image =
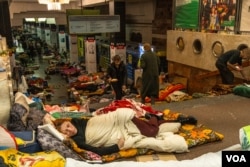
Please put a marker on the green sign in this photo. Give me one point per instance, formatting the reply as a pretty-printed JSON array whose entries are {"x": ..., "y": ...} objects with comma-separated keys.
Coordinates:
[{"x": 187, "y": 14}]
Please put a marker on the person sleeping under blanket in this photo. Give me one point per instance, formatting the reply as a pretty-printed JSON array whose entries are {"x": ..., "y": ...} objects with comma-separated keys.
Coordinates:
[{"x": 120, "y": 130}]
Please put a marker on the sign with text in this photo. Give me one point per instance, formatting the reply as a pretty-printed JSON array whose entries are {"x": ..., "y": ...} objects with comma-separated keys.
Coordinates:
[
  {"x": 235, "y": 158},
  {"x": 90, "y": 55},
  {"x": 79, "y": 24},
  {"x": 118, "y": 49}
]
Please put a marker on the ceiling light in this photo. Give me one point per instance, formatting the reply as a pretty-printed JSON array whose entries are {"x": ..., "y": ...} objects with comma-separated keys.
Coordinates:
[
  {"x": 54, "y": 6},
  {"x": 53, "y": 1},
  {"x": 41, "y": 19}
]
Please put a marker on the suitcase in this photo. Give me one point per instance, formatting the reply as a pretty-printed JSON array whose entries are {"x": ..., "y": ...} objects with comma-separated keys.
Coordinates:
[{"x": 31, "y": 144}]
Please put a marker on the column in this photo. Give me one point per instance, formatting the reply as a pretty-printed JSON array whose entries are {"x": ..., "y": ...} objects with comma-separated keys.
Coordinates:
[{"x": 5, "y": 29}]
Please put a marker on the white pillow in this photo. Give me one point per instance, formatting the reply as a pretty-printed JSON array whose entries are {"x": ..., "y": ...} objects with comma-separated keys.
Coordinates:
[
  {"x": 169, "y": 127},
  {"x": 7, "y": 139}
]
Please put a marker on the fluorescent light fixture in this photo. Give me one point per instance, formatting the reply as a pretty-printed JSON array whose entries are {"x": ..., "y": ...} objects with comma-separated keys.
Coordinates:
[
  {"x": 53, "y": 1},
  {"x": 51, "y": 21},
  {"x": 41, "y": 19},
  {"x": 54, "y": 6},
  {"x": 30, "y": 19},
  {"x": 42, "y": 1}
]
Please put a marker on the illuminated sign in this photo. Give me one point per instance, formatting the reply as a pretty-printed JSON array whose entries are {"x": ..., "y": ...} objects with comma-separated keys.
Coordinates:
[{"x": 79, "y": 24}]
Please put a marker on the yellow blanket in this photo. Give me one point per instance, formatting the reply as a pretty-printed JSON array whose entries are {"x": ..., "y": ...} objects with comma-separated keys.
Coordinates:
[{"x": 15, "y": 158}]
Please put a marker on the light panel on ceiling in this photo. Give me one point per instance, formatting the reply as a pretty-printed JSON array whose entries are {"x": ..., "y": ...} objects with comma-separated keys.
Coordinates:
[
  {"x": 54, "y": 6},
  {"x": 53, "y": 1},
  {"x": 41, "y": 19},
  {"x": 50, "y": 21},
  {"x": 30, "y": 19}
]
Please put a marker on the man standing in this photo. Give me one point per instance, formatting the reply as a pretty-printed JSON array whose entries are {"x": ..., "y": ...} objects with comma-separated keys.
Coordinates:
[
  {"x": 232, "y": 59},
  {"x": 150, "y": 64}
]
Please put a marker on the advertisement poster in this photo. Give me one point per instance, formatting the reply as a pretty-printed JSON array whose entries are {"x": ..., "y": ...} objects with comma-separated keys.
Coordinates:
[
  {"x": 43, "y": 34},
  {"x": 244, "y": 16},
  {"x": 39, "y": 32},
  {"x": 90, "y": 55},
  {"x": 80, "y": 46},
  {"x": 33, "y": 29},
  {"x": 47, "y": 36},
  {"x": 218, "y": 15},
  {"x": 53, "y": 38},
  {"x": 186, "y": 14},
  {"x": 73, "y": 54},
  {"x": 118, "y": 49},
  {"x": 62, "y": 42}
]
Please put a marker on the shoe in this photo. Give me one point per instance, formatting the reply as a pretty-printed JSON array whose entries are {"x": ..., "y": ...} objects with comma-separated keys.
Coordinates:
[
  {"x": 187, "y": 120},
  {"x": 158, "y": 117}
]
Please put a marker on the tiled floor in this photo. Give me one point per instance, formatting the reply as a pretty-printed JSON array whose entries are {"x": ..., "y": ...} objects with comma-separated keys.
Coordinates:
[
  {"x": 56, "y": 82},
  {"x": 225, "y": 114}
]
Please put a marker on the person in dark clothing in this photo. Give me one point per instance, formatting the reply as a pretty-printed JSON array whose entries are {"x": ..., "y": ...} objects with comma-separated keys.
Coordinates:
[
  {"x": 117, "y": 76},
  {"x": 232, "y": 60},
  {"x": 150, "y": 64},
  {"x": 31, "y": 52}
]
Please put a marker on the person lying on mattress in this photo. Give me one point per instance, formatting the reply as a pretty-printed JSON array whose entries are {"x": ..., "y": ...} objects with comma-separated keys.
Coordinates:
[{"x": 79, "y": 130}]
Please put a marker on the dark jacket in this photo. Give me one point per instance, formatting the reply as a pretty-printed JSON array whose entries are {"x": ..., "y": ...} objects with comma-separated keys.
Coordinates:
[
  {"x": 150, "y": 64},
  {"x": 80, "y": 139},
  {"x": 119, "y": 73},
  {"x": 231, "y": 56}
]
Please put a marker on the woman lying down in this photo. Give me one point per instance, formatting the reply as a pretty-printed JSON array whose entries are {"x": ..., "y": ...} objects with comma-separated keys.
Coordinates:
[{"x": 120, "y": 130}]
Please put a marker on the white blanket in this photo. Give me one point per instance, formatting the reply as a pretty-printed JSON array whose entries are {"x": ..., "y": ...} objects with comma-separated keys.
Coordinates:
[
  {"x": 206, "y": 160},
  {"x": 106, "y": 129}
]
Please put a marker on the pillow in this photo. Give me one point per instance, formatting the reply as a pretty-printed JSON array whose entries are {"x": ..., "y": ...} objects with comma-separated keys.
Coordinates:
[
  {"x": 7, "y": 139},
  {"x": 23, "y": 100},
  {"x": 169, "y": 127},
  {"x": 34, "y": 118},
  {"x": 242, "y": 90},
  {"x": 49, "y": 142},
  {"x": 17, "y": 119},
  {"x": 21, "y": 120},
  {"x": 244, "y": 134}
]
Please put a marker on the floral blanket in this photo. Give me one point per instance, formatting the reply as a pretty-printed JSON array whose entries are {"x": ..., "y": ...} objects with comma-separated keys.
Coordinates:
[{"x": 12, "y": 157}]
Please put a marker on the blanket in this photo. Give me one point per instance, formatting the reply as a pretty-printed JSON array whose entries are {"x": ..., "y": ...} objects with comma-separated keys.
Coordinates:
[
  {"x": 211, "y": 159},
  {"x": 12, "y": 157},
  {"x": 171, "y": 138},
  {"x": 118, "y": 124},
  {"x": 193, "y": 135}
]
